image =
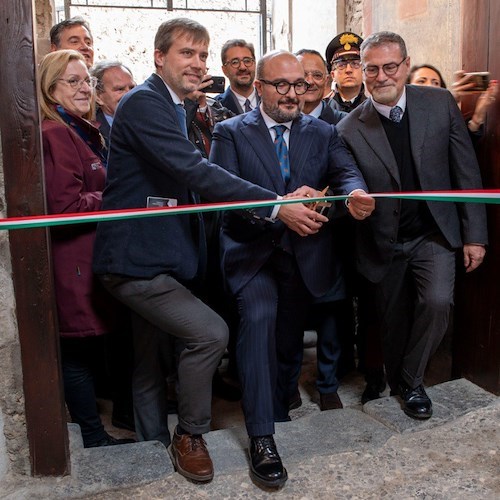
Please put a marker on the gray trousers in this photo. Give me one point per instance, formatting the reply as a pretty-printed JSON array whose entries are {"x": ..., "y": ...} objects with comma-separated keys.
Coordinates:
[
  {"x": 414, "y": 301},
  {"x": 163, "y": 307}
]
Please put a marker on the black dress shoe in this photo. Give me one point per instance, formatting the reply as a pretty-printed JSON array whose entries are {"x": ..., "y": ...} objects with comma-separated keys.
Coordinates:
[
  {"x": 266, "y": 468},
  {"x": 109, "y": 441},
  {"x": 416, "y": 403}
]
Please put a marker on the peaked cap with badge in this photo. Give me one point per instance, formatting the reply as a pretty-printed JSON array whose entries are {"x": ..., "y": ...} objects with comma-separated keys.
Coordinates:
[{"x": 344, "y": 46}]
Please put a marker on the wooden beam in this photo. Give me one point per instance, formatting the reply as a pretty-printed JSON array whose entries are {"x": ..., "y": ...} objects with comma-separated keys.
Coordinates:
[{"x": 32, "y": 274}]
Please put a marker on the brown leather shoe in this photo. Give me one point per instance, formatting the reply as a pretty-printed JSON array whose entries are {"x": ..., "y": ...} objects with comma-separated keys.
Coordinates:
[
  {"x": 190, "y": 457},
  {"x": 330, "y": 401}
]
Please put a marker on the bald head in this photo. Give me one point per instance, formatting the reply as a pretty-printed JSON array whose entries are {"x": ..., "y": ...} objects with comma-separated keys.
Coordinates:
[{"x": 281, "y": 85}]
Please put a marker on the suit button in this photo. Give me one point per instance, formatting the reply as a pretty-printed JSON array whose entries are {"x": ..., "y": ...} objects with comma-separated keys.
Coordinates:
[
  {"x": 392, "y": 240},
  {"x": 396, "y": 212}
]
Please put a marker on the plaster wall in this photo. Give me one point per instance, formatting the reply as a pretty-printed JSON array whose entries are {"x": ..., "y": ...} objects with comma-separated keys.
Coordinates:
[{"x": 430, "y": 28}]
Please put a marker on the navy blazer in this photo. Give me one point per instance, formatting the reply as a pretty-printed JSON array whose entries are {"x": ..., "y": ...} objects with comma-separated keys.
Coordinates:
[
  {"x": 318, "y": 158},
  {"x": 150, "y": 157},
  {"x": 444, "y": 159}
]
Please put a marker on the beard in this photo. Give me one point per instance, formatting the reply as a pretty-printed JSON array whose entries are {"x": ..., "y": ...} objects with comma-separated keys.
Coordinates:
[{"x": 281, "y": 115}]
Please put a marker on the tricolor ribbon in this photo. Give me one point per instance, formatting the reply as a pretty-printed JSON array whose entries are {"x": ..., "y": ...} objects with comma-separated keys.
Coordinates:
[{"x": 488, "y": 196}]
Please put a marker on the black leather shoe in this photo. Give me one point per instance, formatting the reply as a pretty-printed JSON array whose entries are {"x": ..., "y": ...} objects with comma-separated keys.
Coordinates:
[
  {"x": 109, "y": 441},
  {"x": 266, "y": 468},
  {"x": 416, "y": 403}
]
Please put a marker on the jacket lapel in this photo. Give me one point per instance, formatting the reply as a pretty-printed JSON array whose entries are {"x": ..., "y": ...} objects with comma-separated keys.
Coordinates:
[
  {"x": 301, "y": 138},
  {"x": 257, "y": 134},
  {"x": 418, "y": 121},
  {"x": 376, "y": 139}
]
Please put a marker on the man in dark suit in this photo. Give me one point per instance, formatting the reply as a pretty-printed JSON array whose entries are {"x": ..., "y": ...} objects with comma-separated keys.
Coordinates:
[
  {"x": 272, "y": 274},
  {"x": 114, "y": 80},
  {"x": 238, "y": 65},
  {"x": 408, "y": 138},
  {"x": 151, "y": 264}
]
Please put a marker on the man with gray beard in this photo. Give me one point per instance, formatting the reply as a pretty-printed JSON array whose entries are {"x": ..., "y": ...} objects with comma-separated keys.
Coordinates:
[{"x": 273, "y": 274}]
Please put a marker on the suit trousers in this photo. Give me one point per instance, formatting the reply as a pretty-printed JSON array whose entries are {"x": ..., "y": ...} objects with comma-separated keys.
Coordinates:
[
  {"x": 272, "y": 307},
  {"x": 163, "y": 307},
  {"x": 414, "y": 300}
]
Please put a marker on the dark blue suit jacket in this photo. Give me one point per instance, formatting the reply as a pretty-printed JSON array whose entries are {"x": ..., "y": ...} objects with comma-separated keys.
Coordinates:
[
  {"x": 151, "y": 157},
  {"x": 318, "y": 158}
]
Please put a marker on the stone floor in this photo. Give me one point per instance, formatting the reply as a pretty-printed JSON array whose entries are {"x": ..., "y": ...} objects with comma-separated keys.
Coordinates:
[{"x": 359, "y": 452}]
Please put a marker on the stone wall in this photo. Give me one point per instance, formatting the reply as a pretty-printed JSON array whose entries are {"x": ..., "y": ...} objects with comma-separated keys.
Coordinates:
[
  {"x": 431, "y": 29},
  {"x": 14, "y": 451}
]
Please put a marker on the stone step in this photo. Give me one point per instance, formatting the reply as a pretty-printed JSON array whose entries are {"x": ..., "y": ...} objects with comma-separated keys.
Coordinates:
[{"x": 314, "y": 435}]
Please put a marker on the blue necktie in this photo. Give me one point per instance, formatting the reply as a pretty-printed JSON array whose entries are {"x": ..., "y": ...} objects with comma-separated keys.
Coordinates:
[
  {"x": 396, "y": 114},
  {"x": 282, "y": 152},
  {"x": 181, "y": 117},
  {"x": 248, "y": 106}
]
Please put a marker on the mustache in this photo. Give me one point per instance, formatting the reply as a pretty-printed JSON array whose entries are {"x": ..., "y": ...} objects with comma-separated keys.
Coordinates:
[{"x": 288, "y": 100}]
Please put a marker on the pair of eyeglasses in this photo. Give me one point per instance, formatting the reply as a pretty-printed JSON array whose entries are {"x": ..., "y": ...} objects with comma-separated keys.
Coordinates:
[
  {"x": 315, "y": 75},
  {"x": 77, "y": 84},
  {"x": 342, "y": 65},
  {"x": 389, "y": 69},
  {"x": 283, "y": 87},
  {"x": 235, "y": 63}
]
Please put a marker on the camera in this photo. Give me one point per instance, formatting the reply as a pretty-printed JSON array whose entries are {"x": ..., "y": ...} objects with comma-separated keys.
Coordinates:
[{"x": 217, "y": 87}]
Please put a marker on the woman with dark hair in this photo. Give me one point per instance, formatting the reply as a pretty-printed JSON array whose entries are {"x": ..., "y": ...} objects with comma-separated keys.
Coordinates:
[
  {"x": 74, "y": 160},
  {"x": 426, "y": 74}
]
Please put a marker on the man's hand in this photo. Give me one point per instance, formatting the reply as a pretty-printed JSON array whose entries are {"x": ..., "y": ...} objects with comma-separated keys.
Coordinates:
[
  {"x": 360, "y": 204},
  {"x": 473, "y": 256},
  {"x": 303, "y": 192},
  {"x": 301, "y": 219}
]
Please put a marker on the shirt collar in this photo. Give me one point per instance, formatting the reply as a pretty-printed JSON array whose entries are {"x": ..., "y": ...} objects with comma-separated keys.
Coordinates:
[
  {"x": 241, "y": 99},
  {"x": 316, "y": 112},
  {"x": 385, "y": 110}
]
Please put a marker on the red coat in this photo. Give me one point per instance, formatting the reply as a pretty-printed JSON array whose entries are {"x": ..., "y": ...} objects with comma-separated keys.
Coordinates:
[{"x": 74, "y": 179}]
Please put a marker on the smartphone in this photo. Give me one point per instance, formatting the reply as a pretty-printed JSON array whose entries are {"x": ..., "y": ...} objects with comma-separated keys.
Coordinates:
[
  {"x": 481, "y": 79},
  {"x": 217, "y": 87}
]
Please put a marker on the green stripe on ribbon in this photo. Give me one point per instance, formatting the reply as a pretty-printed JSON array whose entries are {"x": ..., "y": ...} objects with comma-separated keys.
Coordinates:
[{"x": 34, "y": 221}]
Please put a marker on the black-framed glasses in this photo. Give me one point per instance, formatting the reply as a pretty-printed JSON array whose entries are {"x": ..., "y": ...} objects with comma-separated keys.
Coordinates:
[
  {"x": 283, "y": 87},
  {"x": 77, "y": 84},
  {"x": 342, "y": 65},
  {"x": 235, "y": 63},
  {"x": 389, "y": 69}
]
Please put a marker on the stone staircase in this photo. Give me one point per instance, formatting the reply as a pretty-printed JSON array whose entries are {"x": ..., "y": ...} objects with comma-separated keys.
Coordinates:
[{"x": 365, "y": 449}]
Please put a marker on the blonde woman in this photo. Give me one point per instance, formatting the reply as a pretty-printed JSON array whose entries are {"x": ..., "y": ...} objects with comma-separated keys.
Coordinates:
[{"x": 74, "y": 162}]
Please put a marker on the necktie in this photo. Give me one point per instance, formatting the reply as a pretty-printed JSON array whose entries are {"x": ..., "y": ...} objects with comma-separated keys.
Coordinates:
[
  {"x": 248, "y": 106},
  {"x": 282, "y": 152},
  {"x": 396, "y": 114},
  {"x": 181, "y": 117}
]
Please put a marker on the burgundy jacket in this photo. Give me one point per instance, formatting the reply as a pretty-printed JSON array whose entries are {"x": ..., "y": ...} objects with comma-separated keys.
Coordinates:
[{"x": 74, "y": 179}]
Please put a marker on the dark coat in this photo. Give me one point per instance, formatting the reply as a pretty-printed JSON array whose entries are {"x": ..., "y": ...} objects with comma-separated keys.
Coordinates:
[
  {"x": 74, "y": 179},
  {"x": 444, "y": 159},
  {"x": 150, "y": 157},
  {"x": 318, "y": 158}
]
